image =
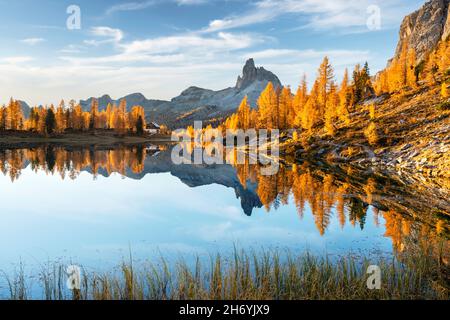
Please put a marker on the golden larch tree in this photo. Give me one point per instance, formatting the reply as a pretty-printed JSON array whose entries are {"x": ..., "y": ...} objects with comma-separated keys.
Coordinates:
[
  {"x": 267, "y": 106},
  {"x": 298, "y": 103},
  {"x": 285, "y": 107},
  {"x": 243, "y": 114}
]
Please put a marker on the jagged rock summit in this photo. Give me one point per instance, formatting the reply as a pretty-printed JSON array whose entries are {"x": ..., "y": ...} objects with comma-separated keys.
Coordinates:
[
  {"x": 251, "y": 74},
  {"x": 423, "y": 29}
]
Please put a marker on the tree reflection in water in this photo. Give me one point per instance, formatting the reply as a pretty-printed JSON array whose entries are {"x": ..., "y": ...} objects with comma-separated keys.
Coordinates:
[{"x": 411, "y": 219}]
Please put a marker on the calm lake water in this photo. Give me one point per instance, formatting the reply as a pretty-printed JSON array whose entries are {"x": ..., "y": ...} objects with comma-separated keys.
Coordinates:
[{"x": 93, "y": 206}]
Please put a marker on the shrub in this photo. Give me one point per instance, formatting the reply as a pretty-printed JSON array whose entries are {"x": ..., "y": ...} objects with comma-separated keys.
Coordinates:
[
  {"x": 371, "y": 134},
  {"x": 372, "y": 112}
]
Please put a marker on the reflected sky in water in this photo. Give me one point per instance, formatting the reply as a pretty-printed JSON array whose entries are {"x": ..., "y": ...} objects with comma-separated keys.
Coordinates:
[{"x": 96, "y": 222}]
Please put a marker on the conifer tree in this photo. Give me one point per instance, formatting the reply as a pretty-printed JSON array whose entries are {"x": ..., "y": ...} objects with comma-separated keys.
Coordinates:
[
  {"x": 344, "y": 97},
  {"x": 15, "y": 118},
  {"x": 50, "y": 121},
  {"x": 3, "y": 118},
  {"x": 244, "y": 114},
  {"x": 109, "y": 109},
  {"x": 325, "y": 81},
  {"x": 93, "y": 124},
  {"x": 298, "y": 104},
  {"x": 331, "y": 111},
  {"x": 140, "y": 125},
  {"x": 311, "y": 113},
  {"x": 267, "y": 106},
  {"x": 61, "y": 121},
  {"x": 285, "y": 107}
]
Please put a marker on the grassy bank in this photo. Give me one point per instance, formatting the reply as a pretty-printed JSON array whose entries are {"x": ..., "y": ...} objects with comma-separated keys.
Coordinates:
[
  {"x": 262, "y": 276},
  {"x": 97, "y": 137}
]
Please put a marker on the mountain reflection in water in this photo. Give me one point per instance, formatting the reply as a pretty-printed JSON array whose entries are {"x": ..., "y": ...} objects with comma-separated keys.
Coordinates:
[{"x": 412, "y": 217}]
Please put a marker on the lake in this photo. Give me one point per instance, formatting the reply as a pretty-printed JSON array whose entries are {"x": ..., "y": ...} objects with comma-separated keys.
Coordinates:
[{"x": 95, "y": 206}]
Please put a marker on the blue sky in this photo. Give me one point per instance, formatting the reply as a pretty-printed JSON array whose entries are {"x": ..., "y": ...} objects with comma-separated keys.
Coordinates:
[{"x": 160, "y": 47}]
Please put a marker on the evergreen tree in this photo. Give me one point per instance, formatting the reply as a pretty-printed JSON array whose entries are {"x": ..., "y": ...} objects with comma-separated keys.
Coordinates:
[
  {"x": 3, "y": 118},
  {"x": 140, "y": 126},
  {"x": 50, "y": 121},
  {"x": 93, "y": 124}
]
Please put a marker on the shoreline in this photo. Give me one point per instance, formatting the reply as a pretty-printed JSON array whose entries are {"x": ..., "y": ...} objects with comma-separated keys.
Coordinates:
[
  {"x": 243, "y": 275},
  {"x": 25, "y": 139}
]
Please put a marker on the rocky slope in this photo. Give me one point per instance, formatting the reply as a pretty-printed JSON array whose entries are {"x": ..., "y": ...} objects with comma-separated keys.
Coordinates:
[
  {"x": 412, "y": 124},
  {"x": 423, "y": 29}
]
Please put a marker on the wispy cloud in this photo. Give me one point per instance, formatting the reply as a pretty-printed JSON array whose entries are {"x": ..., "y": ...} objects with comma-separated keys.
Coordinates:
[
  {"x": 315, "y": 14},
  {"x": 190, "y": 2},
  {"x": 211, "y": 57},
  {"x": 72, "y": 49},
  {"x": 112, "y": 35},
  {"x": 32, "y": 41},
  {"x": 130, "y": 6},
  {"x": 185, "y": 47},
  {"x": 16, "y": 60},
  {"x": 133, "y": 6},
  {"x": 223, "y": 41},
  {"x": 300, "y": 55}
]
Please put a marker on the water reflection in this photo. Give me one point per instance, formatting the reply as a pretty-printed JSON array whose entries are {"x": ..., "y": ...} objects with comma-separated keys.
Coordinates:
[
  {"x": 412, "y": 218},
  {"x": 69, "y": 162}
]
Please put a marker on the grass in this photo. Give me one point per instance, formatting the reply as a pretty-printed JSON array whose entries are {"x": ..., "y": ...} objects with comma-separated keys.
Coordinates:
[{"x": 246, "y": 276}]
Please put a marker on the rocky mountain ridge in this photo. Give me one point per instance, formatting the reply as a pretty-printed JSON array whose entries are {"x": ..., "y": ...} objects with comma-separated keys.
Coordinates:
[
  {"x": 199, "y": 103},
  {"x": 424, "y": 28}
]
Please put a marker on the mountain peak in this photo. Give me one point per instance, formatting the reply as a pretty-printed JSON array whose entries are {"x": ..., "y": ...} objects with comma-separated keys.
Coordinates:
[
  {"x": 250, "y": 64},
  {"x": 251, "y": 74}
]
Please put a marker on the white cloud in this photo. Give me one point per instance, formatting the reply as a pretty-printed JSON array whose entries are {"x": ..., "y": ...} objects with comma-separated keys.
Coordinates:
[
  {"x": 161, "y": 67},
  {"x": 130, "y": 6},
  {"x": 112, "y": 35},
  {"x": 16, "y": 60},
  {"x": 193, "y": 42},
  {"x": 33, "y": 41},
  {"x": 184, "y": 48},
  {"x": 48, "y": 84},
  {"x": 159, "y": 76},
  {"x": 72, "y": 49},
  {"x": 116, "y": 34},
  {"x": 133, "y": 6},
  {"x": 317, "y": 14}
]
